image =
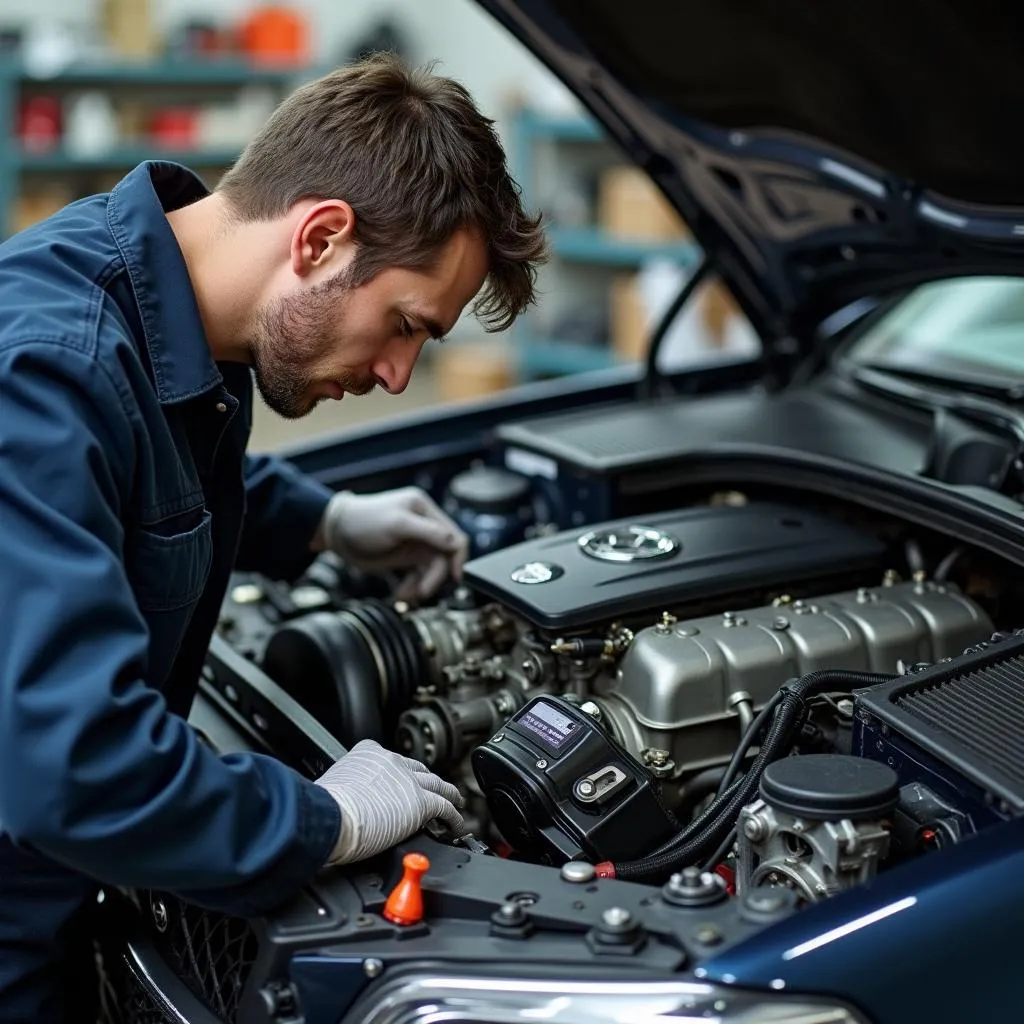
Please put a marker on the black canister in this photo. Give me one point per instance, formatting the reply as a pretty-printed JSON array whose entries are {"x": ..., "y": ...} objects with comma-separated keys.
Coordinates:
[{"x": 493, "y": 505}]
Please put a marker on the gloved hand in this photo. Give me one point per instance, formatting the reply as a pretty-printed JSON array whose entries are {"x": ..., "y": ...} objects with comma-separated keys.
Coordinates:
[
  {"x": 385, "y": 798},
  {"x": 401, "y": 529}
]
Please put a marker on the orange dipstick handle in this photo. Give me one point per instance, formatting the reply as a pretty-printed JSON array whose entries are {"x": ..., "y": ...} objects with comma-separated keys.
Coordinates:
[{"x": 405, "y": 904}]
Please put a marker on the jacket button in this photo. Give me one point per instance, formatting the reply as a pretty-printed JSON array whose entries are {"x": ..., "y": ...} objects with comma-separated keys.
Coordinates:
[{"x": 221, "y": 407}]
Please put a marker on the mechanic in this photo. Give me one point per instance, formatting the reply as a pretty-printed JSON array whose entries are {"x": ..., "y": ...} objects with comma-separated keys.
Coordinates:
[{"x": 370, "y": 210}]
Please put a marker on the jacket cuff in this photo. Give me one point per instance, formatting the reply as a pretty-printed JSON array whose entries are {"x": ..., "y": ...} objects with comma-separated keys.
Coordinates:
[{"x": 319, "y": 829}]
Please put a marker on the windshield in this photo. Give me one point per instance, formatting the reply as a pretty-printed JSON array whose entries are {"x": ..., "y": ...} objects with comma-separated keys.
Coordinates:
[{"x": 968, "y": 328}]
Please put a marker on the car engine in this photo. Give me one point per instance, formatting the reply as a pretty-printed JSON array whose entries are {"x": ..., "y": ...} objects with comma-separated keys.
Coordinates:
[{"x": 601, "y": 693}]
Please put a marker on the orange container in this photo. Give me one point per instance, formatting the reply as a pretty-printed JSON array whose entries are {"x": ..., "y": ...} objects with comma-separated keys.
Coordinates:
[{"x": 275, "y": 34}]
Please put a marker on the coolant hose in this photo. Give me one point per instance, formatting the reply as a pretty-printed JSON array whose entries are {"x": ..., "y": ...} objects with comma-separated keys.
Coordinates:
[{"x": 701, "y": 837}]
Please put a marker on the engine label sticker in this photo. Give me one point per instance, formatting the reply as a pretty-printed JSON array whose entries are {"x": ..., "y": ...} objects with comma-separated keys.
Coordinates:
[{"x": 549, "y": 724}]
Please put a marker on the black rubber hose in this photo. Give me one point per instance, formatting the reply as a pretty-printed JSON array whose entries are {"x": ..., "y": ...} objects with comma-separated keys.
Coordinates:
[
  {"x": 747, "y": 741},
  {"x": 722, "y": 852},
  {"x": 701, "y": 837}
]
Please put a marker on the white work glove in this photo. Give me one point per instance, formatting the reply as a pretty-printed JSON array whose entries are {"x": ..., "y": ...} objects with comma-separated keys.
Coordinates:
[
  {"x": 401, "y": 529},
  {"x": 385, "y": 798}
]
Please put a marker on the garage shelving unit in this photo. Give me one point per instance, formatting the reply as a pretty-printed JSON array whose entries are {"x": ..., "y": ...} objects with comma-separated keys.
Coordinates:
[
  {"x": 538, "y": 354},
  {"x": 169, "y": 81}
]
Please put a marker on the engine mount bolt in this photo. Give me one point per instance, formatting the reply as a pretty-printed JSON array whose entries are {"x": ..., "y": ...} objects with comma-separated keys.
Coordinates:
[
  {"x": 708, "y": 935},
  {"x": 542, "y": 764},
  {"x": 693, "y": 888},
  {"x": 512, "y": 913},
  {"x": 373, "y": 967},
  {"x": 579, "y": 872},
  {"x": 585, "y": 787},
  {"x": 617, "y": 918},
  {"x": 753, "y": 830},
  {"x": 655, "y": 756}
]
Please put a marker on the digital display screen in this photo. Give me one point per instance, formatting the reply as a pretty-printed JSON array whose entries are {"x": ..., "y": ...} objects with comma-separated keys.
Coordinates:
[{"x": 547, "y": 722}]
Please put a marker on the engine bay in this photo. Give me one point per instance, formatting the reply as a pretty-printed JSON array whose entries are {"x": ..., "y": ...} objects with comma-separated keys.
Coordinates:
[{"x": 690, "y": 698}]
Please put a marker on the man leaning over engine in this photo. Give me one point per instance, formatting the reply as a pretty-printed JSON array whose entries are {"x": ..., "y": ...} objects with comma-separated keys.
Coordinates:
[{"x": 370, "y": 210}]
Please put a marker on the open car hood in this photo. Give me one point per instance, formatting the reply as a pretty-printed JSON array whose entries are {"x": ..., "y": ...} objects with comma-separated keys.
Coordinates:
[{"x": 821, "y": 153}]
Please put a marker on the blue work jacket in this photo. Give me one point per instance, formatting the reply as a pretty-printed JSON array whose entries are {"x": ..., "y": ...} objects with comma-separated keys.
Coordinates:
[{"x": 126, "y": 499}]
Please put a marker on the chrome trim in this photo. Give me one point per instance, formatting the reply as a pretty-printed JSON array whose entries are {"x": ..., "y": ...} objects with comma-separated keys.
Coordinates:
[
  {"x": 433, "y": 999},
  {"x": 146, "y": 980},
  {"x": 533, "y": 573},
  {"x": 628, "y": 544},
  {"x": 172, "y": 998}
]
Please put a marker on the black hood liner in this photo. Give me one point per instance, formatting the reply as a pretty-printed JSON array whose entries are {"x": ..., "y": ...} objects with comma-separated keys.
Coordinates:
[{"x": 930, "y": 90}]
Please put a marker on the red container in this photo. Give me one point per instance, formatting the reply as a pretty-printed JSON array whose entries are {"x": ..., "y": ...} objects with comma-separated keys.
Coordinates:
[
  {"x": 39, "y": 123},
  {"x": 174, "y": 128}
]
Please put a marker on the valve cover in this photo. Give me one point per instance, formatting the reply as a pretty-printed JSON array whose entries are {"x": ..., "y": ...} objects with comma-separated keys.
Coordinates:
[{"x": 581, "y": 577}]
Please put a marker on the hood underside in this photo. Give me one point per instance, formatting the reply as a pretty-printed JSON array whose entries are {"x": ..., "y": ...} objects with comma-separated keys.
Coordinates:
[{"x": 820, "y": 152}]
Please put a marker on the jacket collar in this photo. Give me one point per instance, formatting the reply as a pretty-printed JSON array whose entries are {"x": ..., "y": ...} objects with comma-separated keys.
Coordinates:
[{"x": 183, "y": 366}]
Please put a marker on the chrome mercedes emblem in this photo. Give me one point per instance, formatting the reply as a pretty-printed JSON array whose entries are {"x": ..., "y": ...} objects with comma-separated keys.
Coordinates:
[
  {"x": 628, "y": 544},
  {"x": 536, "y": 572}
]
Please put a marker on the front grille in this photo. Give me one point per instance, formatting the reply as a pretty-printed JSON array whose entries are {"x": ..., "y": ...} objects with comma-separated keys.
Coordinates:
[
  {"x": 212, "y": 953},
  {"x": 983, "y": 711}
]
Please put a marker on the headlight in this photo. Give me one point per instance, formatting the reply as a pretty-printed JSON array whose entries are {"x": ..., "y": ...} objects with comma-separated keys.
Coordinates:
[{"x": 430, "y": 999}]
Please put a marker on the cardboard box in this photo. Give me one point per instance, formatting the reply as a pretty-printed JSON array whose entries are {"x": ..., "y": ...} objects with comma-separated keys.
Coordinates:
[
  {"x": 30, "y": 208},
  {"x": 473, "y": 370},
  {"x": 629, "y": 330},
  {"x": 717, "y": 307},
  {"x": 707, "y": 321},
  {"x": 128, "y": 28},
  {"x": 630, "y": 206}
]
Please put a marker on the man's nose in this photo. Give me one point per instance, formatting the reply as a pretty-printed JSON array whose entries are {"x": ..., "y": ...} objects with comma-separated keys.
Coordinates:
[{"x": 393, "y": 369}]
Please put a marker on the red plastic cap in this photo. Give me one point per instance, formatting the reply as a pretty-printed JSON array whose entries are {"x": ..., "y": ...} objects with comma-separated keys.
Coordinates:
[
  {"x": 405, "y": 904},
  {"x": 606, "y": 869}
]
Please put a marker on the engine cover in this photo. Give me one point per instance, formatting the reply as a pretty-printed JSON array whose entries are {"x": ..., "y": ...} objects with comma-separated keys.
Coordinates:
[{"x": 581, "y": 577}]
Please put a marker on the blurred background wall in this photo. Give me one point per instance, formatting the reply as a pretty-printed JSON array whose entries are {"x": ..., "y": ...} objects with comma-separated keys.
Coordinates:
[{"x": 88, "y": 88}]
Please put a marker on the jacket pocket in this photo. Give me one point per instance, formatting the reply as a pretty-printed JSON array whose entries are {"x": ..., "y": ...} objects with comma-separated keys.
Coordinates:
[{"x": 168, "y": 571}]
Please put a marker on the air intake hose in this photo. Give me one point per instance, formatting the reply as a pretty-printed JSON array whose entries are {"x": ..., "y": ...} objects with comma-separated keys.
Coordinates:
[{"x": 354, "y": 670}]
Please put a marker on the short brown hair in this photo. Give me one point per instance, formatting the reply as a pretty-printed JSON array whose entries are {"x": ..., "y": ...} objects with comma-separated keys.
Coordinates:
[{"x": 414, "y": 158}]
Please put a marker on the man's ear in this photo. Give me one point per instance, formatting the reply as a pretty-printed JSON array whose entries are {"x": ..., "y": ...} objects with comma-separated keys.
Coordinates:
[{"x": 324, "y": 234}]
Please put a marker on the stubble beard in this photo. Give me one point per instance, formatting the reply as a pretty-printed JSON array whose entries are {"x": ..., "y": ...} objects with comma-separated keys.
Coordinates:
[{"x": 289, "y": 336}]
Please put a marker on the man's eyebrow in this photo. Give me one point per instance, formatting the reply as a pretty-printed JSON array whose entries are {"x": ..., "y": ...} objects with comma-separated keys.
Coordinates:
[{"x": 435, "y": 330}]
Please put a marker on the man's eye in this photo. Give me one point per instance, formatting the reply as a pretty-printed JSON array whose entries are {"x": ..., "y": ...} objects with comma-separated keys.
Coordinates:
[{"x": 405, "y": 327}]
